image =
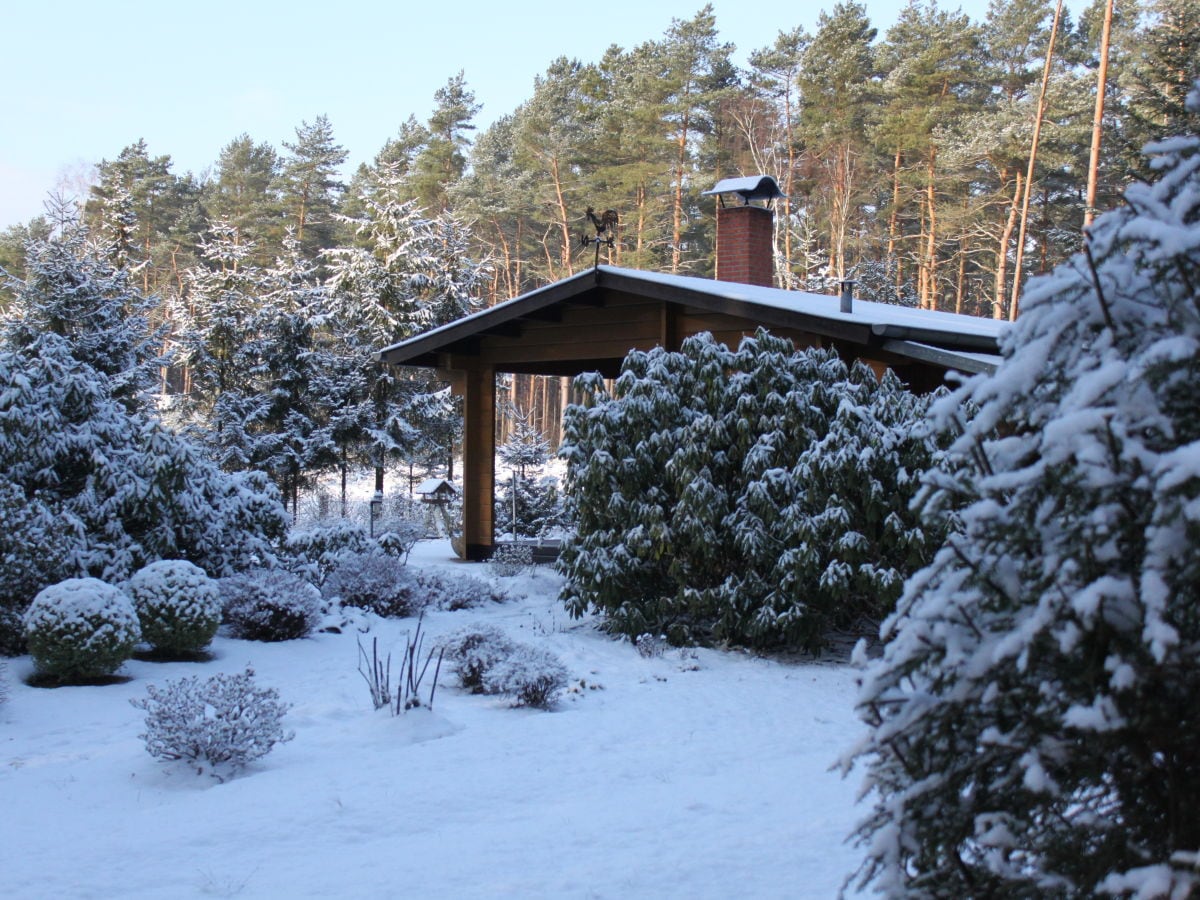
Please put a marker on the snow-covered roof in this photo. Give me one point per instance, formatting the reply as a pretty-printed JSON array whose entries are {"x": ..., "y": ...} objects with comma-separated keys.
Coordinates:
[
  {"x": 433, "y": 485},
  {"x": 869, "y": 323}
]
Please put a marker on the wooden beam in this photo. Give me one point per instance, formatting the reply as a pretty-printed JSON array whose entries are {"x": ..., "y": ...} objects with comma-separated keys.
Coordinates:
[{"x": 479, "y": 462}]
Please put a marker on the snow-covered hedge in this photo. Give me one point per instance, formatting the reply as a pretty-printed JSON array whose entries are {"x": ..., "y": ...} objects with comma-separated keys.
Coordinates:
[
  {"x": 178, "y": 605},
  {"x": 1033, "y": 717},
  {"x": 217, "y": 725},
  {"x": 489, "y": 662},
  {"x": 80, "y": 629},
  {"x": 759, "y": 496},
  {"x": 270, "y": 605}
]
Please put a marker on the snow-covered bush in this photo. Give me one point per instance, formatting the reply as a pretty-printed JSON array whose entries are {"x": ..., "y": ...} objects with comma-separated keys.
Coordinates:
[
  {"x": 318, "y": 547},
  {"x": 270, "y": 605},
  {"x": 217, "y": 725},
  {"x": 1033, "y": 716},
  {"x": 759, "y": 496},
  {"x": 178, "y": 606},
  {"x": 12, "y": 632},
  {"x": 457, "y": 590},
  {"x": 473, "y": 651},
  {"x": 532, "y": 675},
  {"x": 80, "y": 629},
  {"x": 489, "y": 662},
  {"x": 376, "y": 582},
  {"x": 511, "y": 559},
  {"x": 33, "y": 549}
]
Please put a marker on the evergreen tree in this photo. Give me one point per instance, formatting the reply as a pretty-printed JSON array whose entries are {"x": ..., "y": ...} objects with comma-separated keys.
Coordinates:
[
  {"x": 838, "y": 99},
  {"x": 310, "y": 185},
  {"x": 442, "y": 160},
  {"x": 72, "y": 289},
  {"x": 292, "y": 368},
  {"x": 1033, "y": 725},
  {"x": 243, "y": 193}
]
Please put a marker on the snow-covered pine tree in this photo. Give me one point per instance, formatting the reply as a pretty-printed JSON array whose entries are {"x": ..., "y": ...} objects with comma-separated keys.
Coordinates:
[
  {"x": 216, "y": 343},
  {"x": 90, "y": 482},
  {"x": 406, "y": 274},
  {"x": 538, "y": 507},
  {"x": 73, "y": 290},
  {"x": 1033, "y": 718},
  {"x": 292, "y": 369}
]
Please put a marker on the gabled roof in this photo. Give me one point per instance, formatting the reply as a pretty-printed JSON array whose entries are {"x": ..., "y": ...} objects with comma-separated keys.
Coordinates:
[{"x": 968, "y": 343}]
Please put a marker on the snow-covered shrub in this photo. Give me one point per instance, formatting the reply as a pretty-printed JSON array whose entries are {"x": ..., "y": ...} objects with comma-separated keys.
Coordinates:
[
  {"x": 217, "y": 725},
  {"x": 539, "y": 506},
  {"x": 270, "y": 605},
  {"x": 376, "y": 582},
  {"x": 1033, "y": 715},
  {"x": 80, "y": 629},
  {"x": 319, "y": 546},
  {"x": 533, "y": 676},
  {"x": 650, "y": 646},
  {"x": 457, "y": 590},
  {"x": 489, "y": 662},
  {"x": 33, "y": 549},
  {"x": 12, "y": 632},
  {"x": 511, "y": 559},
  {"x": 759, "y": 496},
  {"x": 473, "y": 651},
  {"x": 178, "y": 605}
]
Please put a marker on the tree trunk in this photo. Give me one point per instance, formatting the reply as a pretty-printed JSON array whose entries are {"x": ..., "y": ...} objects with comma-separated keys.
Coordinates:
[
  {"x": 1001, "y": 292},
  {"x": 1089, "y": 211},
  {"x": 931, "y": 284},
  {"x": 1037, "y": 134},
  {"x": 564, "y": 221}
]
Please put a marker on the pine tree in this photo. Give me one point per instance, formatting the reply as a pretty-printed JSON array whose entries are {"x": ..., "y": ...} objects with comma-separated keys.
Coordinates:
[
  {"x": 442, "y": 160},
  {"x": 243, "y": 194},
  {"x": 310, "y": 185},
  {"x": 837, "y": 87},
  {"x": 1033, "y": 724}
]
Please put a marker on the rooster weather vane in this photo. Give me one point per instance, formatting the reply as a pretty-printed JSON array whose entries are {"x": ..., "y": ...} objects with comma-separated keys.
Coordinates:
[{"x": 606, "y": 231}]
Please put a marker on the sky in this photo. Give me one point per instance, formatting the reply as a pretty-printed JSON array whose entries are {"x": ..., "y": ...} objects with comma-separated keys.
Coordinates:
[{"x": 87, "y": 79}]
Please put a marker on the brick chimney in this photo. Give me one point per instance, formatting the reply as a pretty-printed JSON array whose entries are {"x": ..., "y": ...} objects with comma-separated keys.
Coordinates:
[{"x": 745, "y": 253}]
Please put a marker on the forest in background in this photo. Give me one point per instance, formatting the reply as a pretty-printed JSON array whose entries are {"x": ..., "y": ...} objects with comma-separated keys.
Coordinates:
[{"x": 904, "y": 155}]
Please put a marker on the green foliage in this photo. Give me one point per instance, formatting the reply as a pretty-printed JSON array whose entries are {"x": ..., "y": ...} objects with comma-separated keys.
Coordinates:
[
  {"x": 80, "y": 629},
  {"x": 270, "y": 605},
  {"x": 1033, "y": 728},
  {"x": 178, "y": 606},
  {"x": 757, "y": 496}
]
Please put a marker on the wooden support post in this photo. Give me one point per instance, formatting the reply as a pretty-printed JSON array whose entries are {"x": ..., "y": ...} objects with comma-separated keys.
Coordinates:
[{"x": 479, "y": 461}]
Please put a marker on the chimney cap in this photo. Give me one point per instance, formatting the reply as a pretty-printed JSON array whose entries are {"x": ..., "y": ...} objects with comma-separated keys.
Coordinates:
[{"x": 749, "y": 187}]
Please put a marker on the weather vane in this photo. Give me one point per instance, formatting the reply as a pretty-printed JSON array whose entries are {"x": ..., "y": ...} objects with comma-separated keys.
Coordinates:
[{"x": 606, "y": 231}]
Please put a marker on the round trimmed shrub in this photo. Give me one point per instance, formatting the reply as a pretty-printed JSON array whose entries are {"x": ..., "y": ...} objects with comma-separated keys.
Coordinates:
[
  {"x": 270, "y": 605},
  {"x": 81, "y": 629},
  {"x": 178, "y": 605}
]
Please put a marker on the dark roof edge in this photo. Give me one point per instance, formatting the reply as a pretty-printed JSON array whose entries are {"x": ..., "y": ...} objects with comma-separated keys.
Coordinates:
[{"x": 970, "y": 363}]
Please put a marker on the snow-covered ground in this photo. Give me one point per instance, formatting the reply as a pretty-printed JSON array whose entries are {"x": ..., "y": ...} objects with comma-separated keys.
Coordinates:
[{"x": 661, "y": 777}]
